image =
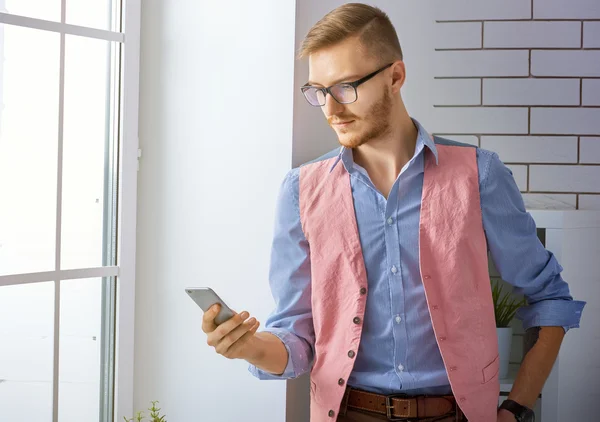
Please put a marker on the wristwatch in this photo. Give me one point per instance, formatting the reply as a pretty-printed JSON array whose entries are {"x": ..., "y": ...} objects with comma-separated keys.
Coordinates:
[{"x": 522, "y": 413}]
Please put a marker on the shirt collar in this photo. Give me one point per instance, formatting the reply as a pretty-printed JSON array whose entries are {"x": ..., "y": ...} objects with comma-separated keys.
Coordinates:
[{"x": 424, "y": 139}]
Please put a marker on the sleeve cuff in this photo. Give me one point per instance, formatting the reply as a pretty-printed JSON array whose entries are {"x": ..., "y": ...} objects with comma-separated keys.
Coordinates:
[
  {"x": 552, "y": 312},
  {"x": 297, "y": 360}
]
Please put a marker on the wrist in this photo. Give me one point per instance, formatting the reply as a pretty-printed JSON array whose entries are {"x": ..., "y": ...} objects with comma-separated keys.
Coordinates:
[
  {"x": 253, "y": 352},
  {"x": 519, "y": 412},
  {"x": 506, "y": 415}
]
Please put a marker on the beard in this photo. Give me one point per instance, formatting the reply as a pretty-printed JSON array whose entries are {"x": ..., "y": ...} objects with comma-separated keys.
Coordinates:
[{"x": 376, "y": 121}]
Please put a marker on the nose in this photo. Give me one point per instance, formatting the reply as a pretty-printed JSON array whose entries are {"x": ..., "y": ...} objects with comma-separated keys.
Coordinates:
[{"x": 332, "y": 107}]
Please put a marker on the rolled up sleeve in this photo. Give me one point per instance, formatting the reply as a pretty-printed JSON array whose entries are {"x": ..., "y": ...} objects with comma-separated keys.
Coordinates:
[
  {"x": 290, "y": 282},
  {"x": 517, "y": 252}
]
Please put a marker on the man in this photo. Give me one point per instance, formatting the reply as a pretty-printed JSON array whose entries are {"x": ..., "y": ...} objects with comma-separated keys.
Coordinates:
[{"x": 379, "y": 262}]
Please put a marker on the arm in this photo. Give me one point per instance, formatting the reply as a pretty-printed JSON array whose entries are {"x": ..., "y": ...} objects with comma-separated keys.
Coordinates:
[
  {"x": 523, "y": 261},
  {"x": 285, "y": 348}
]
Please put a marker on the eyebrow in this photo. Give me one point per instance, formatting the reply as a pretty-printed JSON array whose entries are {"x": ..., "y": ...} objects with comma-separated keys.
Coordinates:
[{"x": 337, "y": 81}]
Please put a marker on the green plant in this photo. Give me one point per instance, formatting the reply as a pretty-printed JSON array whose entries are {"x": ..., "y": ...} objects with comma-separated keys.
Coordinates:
[
  {"x": 154, "y": 415},
  {"x": 505, "y": 307}
]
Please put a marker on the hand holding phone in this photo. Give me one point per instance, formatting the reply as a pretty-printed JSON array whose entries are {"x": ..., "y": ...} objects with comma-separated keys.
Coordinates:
[
  {"x": 205, "y": 297},
  {"x": 228, "y": 332}
]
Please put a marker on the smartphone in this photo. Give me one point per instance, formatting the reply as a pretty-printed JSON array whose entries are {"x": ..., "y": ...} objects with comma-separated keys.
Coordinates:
[{"x": 205, "y": 297}]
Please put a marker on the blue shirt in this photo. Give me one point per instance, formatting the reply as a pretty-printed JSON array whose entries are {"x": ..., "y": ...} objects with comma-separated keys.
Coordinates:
[{"x": 398, "y": 349}]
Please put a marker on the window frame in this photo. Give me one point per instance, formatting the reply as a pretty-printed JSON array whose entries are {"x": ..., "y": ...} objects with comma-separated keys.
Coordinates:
[{"x": 126, "y": 35}]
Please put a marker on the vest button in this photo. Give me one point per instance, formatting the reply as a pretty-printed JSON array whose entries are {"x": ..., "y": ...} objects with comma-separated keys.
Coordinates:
[
  {"x": 462, "y": 399},
  {"x": 341, "y": 381},
  {"x": 351, "y": 354},
  {"x": 363, "y": 291},
  {"x": 435, "y": 307},
  {"x": 442, "y": 338},
  {"x": 356, "y": 320},
  {"x": 453, "y": 368},
  {"x": 427, "y": 277},
  {"x": 331, "y": 413}
]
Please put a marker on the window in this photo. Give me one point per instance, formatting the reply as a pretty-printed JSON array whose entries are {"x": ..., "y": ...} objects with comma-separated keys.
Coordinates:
[{"x": 68, "y": 151}]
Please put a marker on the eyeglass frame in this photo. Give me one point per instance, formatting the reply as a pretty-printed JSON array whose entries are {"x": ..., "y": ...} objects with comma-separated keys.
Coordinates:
[{"x": 354, "y": 85}]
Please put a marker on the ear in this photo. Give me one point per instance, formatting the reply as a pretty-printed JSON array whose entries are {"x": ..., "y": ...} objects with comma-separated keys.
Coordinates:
[{"x": 398, "y": 76}]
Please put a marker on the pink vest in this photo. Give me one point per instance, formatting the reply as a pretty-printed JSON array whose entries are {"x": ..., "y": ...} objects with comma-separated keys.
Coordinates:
[{"x": 454, "y": 271}]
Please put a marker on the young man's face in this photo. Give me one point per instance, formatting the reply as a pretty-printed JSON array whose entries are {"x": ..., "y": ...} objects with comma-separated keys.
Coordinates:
[{"x": 368, "y": 117}]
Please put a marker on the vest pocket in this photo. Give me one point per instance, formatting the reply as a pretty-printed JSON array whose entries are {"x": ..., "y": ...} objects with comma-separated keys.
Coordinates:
[{"x": 491, "y": 370}]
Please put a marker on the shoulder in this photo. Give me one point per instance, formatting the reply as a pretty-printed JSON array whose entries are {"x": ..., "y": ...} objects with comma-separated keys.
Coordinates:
[
  {"x": 334, "y": 153},
  {"x": 486, "y": 159}
]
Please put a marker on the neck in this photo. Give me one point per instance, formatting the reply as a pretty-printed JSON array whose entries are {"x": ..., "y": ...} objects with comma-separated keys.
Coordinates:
[{"x": 386, "y": 156}]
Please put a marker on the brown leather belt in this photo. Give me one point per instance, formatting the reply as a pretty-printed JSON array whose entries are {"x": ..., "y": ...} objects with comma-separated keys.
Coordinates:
[{"x": 402, "y": 407}]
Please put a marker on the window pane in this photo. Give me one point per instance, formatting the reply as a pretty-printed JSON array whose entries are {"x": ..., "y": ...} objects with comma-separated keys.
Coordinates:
[
  {"x": 40, "y": 9},
  {"x": 92, "y": 13},
  {"x": 86, "y": 158},
  {"x": 80, "y": 350},
  {"x": 26, "y": 351},
  {"x": 29, "y": 85}
]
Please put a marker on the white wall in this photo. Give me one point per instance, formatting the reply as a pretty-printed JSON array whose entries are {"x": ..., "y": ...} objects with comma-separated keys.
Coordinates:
[{"x": 215, "y": 129}]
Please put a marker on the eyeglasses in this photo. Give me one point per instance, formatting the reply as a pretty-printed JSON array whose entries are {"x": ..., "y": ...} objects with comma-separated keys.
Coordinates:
[{"x": 343, "y": 93}]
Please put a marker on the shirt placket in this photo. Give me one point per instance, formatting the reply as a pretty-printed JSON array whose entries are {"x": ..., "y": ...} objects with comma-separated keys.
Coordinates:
[{"x": 396, "y": 288}]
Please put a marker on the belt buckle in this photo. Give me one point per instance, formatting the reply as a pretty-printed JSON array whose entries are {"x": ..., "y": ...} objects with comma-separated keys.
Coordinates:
[{"x": 389, "y": 407}]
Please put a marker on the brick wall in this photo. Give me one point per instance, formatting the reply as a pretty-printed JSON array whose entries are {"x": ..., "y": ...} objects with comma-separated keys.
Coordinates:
[{"x": 522, "y": 78}]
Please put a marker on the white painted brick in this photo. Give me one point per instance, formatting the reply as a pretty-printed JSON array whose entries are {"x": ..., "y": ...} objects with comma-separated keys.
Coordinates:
[
  {"x": 565, "y": 62},
  {"x": 457, "y": 91},
  {"x": 532, "y": 34},
  {"x": 458, "y": 35},
  {"x": 565, "y": 121},
  {"x": 488, "y": 120},
  {"x": 531, "y": 91},
  {"x": 520, "y": 175},
  {"x": 591, "y": 92},
  {"x": 467, "y": 139},
  {"x": 548, "y": 178},
  {"x": 533, "y": 149},
  {"x": 590, "y": 151},
  {"x": 544, "y": 201},
  {"x": 566, "y": 9},
  {"x": 589, "y": 202},
  {"x": 481, "y": 9},
  {"x": 591, "y": 34},
  {"x": 482, "y": 63}
]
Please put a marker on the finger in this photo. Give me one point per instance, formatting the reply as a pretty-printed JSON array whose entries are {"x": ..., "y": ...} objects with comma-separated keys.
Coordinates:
[
  {"x": 235, "y": 335},
  {"x": 235, "y": 349},
  {"x": 224, "y": 331},
  {"x": 208, "y": 319},
  {"x": 225, "y": 328},
  {"x": 231, "y": 324}
]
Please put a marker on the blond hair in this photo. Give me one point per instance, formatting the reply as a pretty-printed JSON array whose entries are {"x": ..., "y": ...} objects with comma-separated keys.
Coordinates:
[{"x": 369, "y": 24}]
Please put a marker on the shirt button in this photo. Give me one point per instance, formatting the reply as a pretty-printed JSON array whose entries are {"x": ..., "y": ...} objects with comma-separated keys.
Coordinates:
[
  {"x": 356, "y": 320},
  {"x": 390, "y": 221},
  {"x": 400, "y": 368},
  {"x": 398, "y": 319},
  {"x": 394, "y": 269},
  {"x": 331, "y": 413},
  {"x": 351, "y": 354},
  {"x": 363, "y": 291},
  {"x": 341, "y": 381}
]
